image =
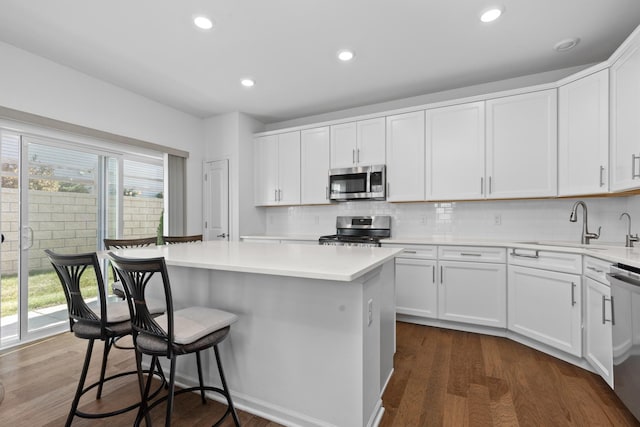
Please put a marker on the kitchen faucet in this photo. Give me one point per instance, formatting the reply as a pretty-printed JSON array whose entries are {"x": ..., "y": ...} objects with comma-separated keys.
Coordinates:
[
  {"x": 629, "y": 238},
  {"x": 586, "y": 236}
]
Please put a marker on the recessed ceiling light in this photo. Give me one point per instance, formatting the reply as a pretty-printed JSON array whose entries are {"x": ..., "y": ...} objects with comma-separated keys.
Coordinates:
[
  {"x": 346, "y": 55},
  {"x": 492, "y": 14},
  {"x": 566, "y": 44},
  {"x": 247, "y": 82},
  {"x": 203, "y": 22}
]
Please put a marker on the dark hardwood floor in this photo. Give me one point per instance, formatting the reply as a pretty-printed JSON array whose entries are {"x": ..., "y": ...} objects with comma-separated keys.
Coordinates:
[{"x": 442, "y": 377}]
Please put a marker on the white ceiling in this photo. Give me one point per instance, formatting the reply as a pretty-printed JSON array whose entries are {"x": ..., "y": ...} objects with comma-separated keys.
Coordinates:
[{"x": 403, "y": 47}]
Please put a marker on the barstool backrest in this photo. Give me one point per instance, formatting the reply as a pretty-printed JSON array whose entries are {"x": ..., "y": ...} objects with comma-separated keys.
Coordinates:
[
  {"x": 129, "y": 243},
  {"x": 70, "y": 269},
  {"x": 135, "y": 274},
  {"x": 182, "y": 239}
]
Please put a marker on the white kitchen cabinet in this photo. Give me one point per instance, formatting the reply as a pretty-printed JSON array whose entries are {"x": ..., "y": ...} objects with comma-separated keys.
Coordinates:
[
  {"x": 416, "y": 288},
  {"x": 358, "y": 143},
  {"x": 473, "y": 292},
  {"x": 521, "y": 145},
  {"x": 546, "y": 306},
  {"x": 405, "y": 157},
  {"x": 455, "y": 152},
  {"x": 277, "y": 166},
  {"x": 625, "y": 123},
  {"x": 583, "y": 135},
  {"x": 314, "y": 169},
  {"x": 598, "y": 331}
]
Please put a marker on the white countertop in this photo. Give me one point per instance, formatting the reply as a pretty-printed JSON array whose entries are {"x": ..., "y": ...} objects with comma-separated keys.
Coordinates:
[
  {"x": 612, "y": 252},
  {"x": 341, "y": 263},
  {"x": 302, "y": 237}
]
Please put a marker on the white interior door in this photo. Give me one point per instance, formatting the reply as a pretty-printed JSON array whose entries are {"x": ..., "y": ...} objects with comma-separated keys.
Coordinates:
[{"x": 216, "y": 200}]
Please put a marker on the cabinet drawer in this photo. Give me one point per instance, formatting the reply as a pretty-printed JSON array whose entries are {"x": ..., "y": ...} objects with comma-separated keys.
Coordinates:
[
  {"x": 596, "y": 269},
  {"x": 415, "y": 251},
  {"x": 555, "y": 261},
  {"x": 472, "y": 253}
]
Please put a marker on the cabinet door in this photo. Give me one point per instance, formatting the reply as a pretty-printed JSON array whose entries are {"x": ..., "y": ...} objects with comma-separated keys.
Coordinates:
[
  {"x": 583, "y": 130},
  {"x": 343, "y": 145},
  {"x": 370, "y": 149},
  {"x": 599, "y": 345},
  {"x": 522, "y": 145},
  {"x": 405, "y": 157},
  {"x": 314, "y": 166},
  {"x": 455, "y": 152},
  {"x": 416, "y": 289},
  {"x": 625, "y": 125},
  {"x": 473, "y": 293},
  {"x": 289, "y": 168},
  {"x": 266, "y": 170},
  {"x": 546, "y": 306}
]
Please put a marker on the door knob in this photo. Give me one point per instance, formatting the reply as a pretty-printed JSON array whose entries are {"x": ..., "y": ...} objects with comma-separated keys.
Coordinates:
[
  {"x": 1, "y": 238},
  {"x": 223, "y": 235}
]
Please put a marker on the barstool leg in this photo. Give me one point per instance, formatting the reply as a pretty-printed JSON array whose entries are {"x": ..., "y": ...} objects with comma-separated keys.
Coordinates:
[
  {"x": 107, "y": 346},
  {"x": 172, "y": 379},
  {"x": 232, "y": 408},
  {"x": 200, "y": 378},
  {"x": 83, "y": 377},
  {"x": 144, "y": 391}
]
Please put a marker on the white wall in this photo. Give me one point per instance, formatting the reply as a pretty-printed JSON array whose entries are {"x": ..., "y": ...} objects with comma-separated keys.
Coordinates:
[
  {"x": 36, "y": 85},
  {"x": 230, "y": 136},
  {"x": 521, "y": 220}
]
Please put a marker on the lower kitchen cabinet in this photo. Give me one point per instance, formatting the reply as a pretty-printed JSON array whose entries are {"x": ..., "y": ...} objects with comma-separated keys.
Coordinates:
[
  {"x": 546, "y": 306},
  {"x": 473, "y": 292},
  {"x": 416, "y": 289},
  {"x": 598, "y": 336}
]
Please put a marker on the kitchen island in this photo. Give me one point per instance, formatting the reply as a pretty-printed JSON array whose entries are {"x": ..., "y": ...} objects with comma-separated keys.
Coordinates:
[{"x": 315, "y": 338}]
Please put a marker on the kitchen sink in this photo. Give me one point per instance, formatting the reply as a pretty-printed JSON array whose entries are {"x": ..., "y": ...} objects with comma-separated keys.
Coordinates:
[{"x": 570, "y": 245}]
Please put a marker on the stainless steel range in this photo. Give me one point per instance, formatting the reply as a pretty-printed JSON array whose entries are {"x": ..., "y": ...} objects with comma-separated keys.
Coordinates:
[{"x": 363, "y": 231}]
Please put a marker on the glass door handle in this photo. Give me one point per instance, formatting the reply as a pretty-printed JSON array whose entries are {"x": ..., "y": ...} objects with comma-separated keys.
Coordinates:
[{"x": 1, "y": 238}]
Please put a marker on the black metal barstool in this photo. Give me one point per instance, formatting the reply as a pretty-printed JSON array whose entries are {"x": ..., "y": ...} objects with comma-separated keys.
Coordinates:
[
  {"x": 107, "y": 323},
  {"x": 170, "y": 240},
  {"x": 185, "y": 331},
  {"x": 142, "y": 242}
]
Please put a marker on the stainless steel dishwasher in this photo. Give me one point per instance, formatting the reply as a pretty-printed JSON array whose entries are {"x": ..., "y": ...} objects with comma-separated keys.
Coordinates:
[{"x": 625, "y": 320}]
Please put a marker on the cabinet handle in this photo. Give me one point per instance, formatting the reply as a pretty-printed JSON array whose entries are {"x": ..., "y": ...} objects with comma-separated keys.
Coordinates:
[
  {"x": 275, "y": 195},
  {"x": 601, "y": 176},
  {"x": 514, "y": 253},
  {"x": 409, "y": 252},
  {"x": 279, "y": 195},
  {"x": 433, "y": 272},
  {"x": 441, "y": 275},
  {"x": 613, "y": 315},
  {"x": 604, "y": 299},
  {"x": 358, "y": 155},
  {"x": 481, "y": 186},
  {"x": 469, "y": 254},
  {"x": 327, "y": 192},
  {"x": 489, "y": 185},
  {"x": 634, "y": 175},
  {"x": 573, "y": 294},
  {"x": 353, "y": 155},
  {"x": 593, "y": 269},
  {"x": 388, "y": 192}
]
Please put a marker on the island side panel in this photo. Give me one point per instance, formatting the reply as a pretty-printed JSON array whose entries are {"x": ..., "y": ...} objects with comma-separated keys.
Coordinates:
[
  {"x": 301, "y": 349},
  {"x": 387, "y": 322}
]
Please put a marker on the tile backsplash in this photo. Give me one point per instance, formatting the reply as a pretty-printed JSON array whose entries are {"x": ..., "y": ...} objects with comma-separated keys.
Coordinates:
[{"x": 546, "y": 219}]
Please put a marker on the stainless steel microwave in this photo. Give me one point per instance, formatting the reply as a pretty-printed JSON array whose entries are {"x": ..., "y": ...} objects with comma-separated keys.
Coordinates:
[{"x": 359, "y": 183}]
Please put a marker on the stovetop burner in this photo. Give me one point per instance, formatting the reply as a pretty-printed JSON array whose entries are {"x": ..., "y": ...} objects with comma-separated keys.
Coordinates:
[{"x": 364, "y": 231}]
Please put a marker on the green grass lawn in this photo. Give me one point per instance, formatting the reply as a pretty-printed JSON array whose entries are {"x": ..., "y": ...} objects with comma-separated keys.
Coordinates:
[{"x": 45, "y": 290}]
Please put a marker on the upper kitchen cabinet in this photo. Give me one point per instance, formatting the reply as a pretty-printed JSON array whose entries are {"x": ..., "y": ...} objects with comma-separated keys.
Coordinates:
[
  {"x": 314, "y": 172},
  {"x": 522, "y": 145},
  {"x": 455, "y": 152},
  {"x": 625, "y": 121},
  {"x": 583, "y": 135},
  {"x": 405, "y": 157},
  {"x": 277, "y": 169},
  {"x": 358, "y": 143}
]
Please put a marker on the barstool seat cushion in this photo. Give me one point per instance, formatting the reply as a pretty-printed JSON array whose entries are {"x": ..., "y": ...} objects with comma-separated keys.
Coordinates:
[
  {"x": 91, "y": 330},
  {"x": 193, "y": 323},
  {"x": 118, "y": 311}
]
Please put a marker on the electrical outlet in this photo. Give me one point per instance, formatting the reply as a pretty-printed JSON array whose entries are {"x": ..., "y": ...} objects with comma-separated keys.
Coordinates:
[
  {"x": 370, "y": 314},
  {"x": 497, "y": 219}
]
